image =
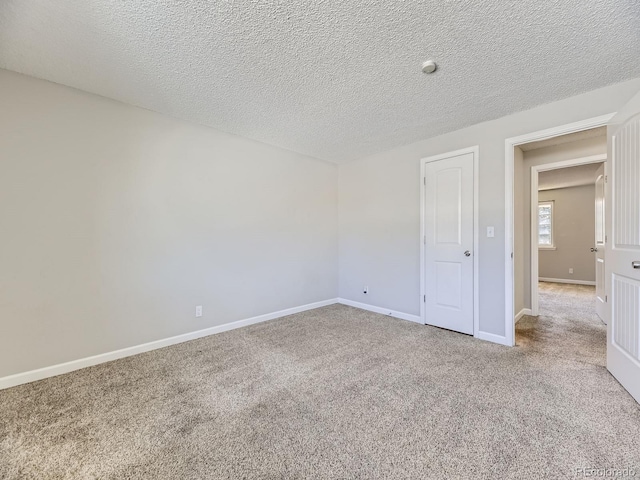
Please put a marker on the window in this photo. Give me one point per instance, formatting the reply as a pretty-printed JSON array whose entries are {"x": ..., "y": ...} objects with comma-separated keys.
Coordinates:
[{"x": 545, "y": 225}]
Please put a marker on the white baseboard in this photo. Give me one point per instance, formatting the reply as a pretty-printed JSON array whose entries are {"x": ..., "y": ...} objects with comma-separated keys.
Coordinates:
[
  {"x": 564, "y": 280},
  {"x": 59, "y": 369},
  {"x": 522, "y": 313},
  {"x": 384, "y": 311},
  {"x": 492, "y": 337}
]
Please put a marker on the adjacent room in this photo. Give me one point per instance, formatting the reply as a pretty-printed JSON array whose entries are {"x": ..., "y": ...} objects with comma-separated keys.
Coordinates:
[
  {"x": 560, "y": 244},
  {"x": 559, "y": 190},
  {"x": 270, "y": 239},
  {"x": 571, "y": 251}
]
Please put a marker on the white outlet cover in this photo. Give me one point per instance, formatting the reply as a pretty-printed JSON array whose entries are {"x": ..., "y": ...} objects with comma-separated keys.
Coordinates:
[
  {"x": 490, "y": 232},
  {"x": 199, "y": 311}
]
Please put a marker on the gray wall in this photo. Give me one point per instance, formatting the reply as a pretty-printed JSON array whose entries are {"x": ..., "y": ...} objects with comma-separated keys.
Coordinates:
[
  {"x": 117, "y": 222},
  {"x": 574, "y": 234},
  {"x": 380, "y": 207},
  {"x": 542, "y": 156}
]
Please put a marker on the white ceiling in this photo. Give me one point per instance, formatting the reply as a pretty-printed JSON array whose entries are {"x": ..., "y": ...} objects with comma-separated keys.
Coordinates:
[
  {"x": 568, "y": 177},
  {"x": 333, "y": 79}
]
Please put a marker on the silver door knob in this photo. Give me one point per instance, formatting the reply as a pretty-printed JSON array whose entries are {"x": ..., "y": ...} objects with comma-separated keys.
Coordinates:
[
  {"x": 467, "y": 253},
  {"x": 594, "y": 249}
]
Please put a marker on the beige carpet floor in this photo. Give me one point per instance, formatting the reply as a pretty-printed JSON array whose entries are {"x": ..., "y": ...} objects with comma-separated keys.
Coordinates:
[{"x": 336, "y": 393}]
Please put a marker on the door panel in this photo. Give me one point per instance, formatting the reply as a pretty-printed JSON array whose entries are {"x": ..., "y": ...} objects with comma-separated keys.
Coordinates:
[
  {"x": 448, "y": 184},
  {"x": 448, "y": 257},
  {"x": 627, "y": 210},
  {"x": 626, "y": 308},
  {"x": 623, "y": 220},
  {"x": 449, "y": 288},
  {"x": 600, "y": 244}
]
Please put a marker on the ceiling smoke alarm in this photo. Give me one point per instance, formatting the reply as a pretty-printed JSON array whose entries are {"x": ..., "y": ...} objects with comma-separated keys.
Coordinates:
[{"x": 429, "y": 66}]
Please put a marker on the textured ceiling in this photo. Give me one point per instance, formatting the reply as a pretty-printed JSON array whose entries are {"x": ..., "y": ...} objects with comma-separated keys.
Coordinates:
[
  {"x": 333, "y": 79},
  {"x": 568, "y": 177}
]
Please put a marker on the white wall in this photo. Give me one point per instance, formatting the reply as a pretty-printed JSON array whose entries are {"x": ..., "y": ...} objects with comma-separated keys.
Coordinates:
[
  {"x": 574, "y": 232},
  {"x": 117, "y": 222},
  {"x": 379, "y": 207}
]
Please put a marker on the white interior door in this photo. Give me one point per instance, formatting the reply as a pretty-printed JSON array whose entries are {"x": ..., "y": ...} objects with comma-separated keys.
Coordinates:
[
  {"x": 448, "y": 228},
  {"x": 622, "y": 268},
  {"x": 599, "y": 248}
]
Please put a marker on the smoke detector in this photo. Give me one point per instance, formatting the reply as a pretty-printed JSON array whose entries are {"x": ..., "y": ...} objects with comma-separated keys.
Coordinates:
[{"x": 429, "y": 66}]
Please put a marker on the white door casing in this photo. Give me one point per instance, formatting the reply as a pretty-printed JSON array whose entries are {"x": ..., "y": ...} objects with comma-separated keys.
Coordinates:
[
  {"x": 623, "y": 248},
  {"x": 599, "y": 243},
  {"x": 449, "y": 242}
]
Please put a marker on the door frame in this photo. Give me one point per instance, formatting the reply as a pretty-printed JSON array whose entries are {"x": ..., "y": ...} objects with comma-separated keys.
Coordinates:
[
  {"x": 509, "y": 155},
  {"x": 475, "y": 151},
  {"x": 535, "y": 170}
]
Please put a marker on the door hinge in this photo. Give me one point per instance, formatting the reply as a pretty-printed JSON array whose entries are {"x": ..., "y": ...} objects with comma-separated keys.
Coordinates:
[
  {"x": 424, "y": 239},
  {"x": 606, "y": 179},
  {"x": 424, "y": 181},
  {"x": 605, "y": 239},
  {"x": 606, "y": 298},
  {"x": 424, "y": 298}
]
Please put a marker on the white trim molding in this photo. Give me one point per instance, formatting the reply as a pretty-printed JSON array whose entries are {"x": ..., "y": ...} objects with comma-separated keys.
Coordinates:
[
  {"x": 383, "y": 311},
  {"x": 61, "y": 368},
  {"x": 509, "y": 145},
  {"x": 566, "y": 280},
  {"x": 522, "y": 313},
  {"x": 475, "y": 150},
  {"x": 493, "y": 338}
]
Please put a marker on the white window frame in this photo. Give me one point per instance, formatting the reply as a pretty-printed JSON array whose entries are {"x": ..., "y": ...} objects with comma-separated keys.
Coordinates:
[{"x": 550, "y": 203}]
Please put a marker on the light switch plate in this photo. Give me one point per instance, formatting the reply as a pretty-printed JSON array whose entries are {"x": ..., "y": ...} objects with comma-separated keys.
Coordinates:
[{"x": 490, "y": 232}]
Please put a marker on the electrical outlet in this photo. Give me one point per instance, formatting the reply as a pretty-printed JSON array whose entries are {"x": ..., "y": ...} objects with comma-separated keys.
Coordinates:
[
  {"x": 365, "y": 290},
  {"x": 199, "y": 311},
  {"x": 571, "y": 270}
]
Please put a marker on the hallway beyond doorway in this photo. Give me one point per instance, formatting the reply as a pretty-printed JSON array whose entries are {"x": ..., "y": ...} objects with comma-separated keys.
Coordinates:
[{"x": 567, "y": 326}]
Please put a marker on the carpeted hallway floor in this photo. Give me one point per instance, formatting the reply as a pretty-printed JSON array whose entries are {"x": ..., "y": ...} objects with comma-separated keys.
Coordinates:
[{"x": 336, "y": 393}]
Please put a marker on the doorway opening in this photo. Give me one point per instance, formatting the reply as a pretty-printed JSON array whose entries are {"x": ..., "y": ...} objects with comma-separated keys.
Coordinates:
[
  {"x": 622, "y": 237},
  {"x": 510, "y": 208},
  {"x": 559, "y": 230}
]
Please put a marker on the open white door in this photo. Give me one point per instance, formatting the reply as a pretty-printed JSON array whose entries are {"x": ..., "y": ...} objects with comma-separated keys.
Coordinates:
[
  {"x": 622, "y": 268},
  {"x": 599, "y": 249}
]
